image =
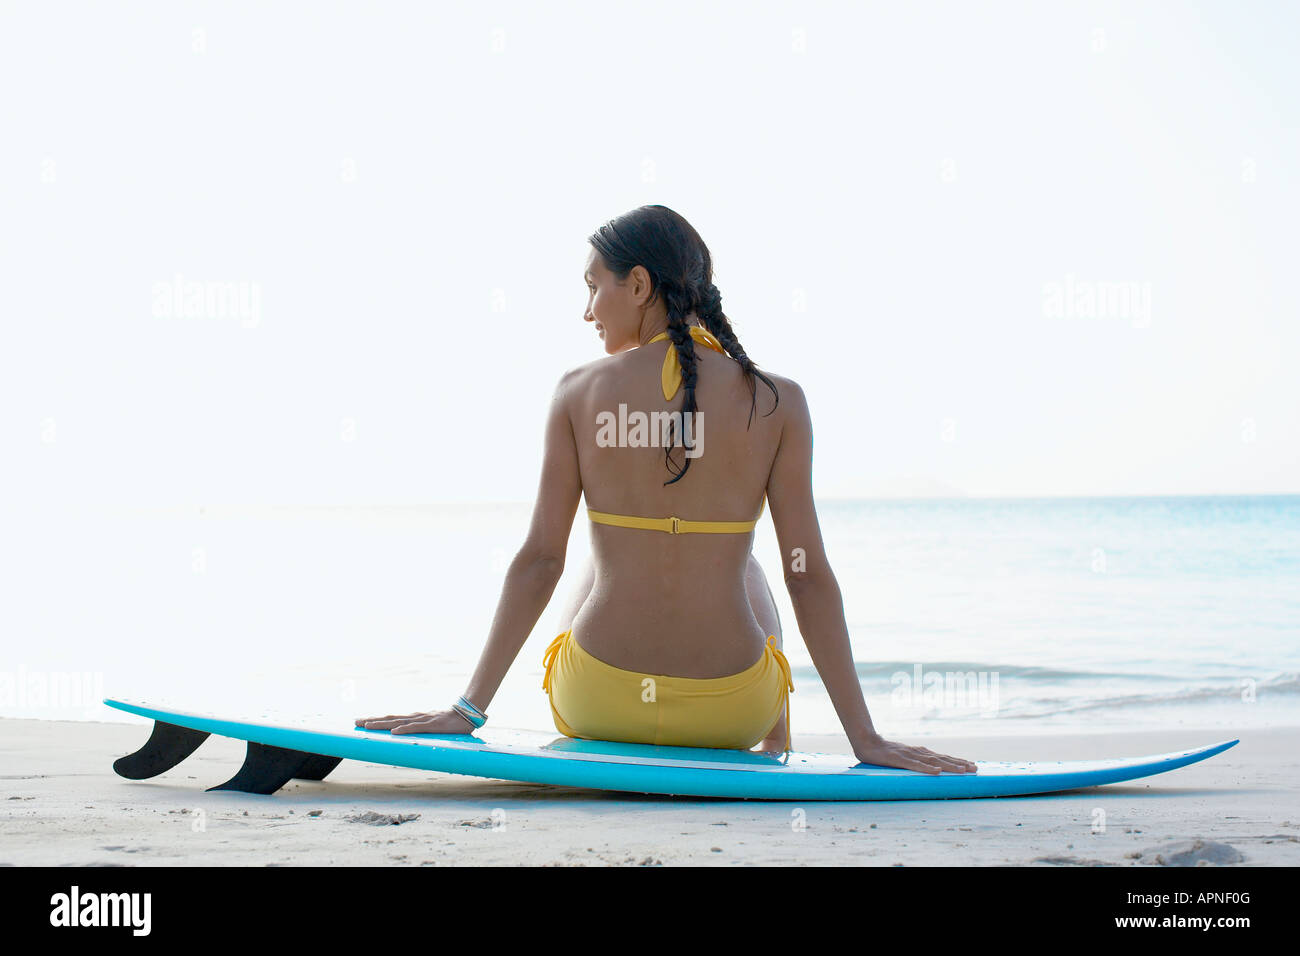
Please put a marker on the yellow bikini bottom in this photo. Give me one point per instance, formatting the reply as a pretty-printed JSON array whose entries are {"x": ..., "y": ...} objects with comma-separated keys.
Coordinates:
[{"x": 601, "y": 702}]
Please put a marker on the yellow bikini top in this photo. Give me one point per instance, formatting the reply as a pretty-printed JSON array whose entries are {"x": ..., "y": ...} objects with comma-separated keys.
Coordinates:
[{"x": 671, "y": 378}]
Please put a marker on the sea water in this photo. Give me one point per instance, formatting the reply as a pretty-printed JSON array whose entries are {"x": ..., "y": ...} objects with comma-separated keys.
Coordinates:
[{"x": 966, "y": 616}]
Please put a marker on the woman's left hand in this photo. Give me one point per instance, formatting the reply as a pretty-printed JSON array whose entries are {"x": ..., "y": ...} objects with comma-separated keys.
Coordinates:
[{"x": 432, "y": 722}]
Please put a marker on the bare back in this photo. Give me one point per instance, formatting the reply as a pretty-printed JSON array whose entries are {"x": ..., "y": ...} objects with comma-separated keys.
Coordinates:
[{"x": 672, "y": 604}]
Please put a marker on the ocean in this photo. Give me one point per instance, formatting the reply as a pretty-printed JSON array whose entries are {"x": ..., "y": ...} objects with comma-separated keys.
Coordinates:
[{"x": 968, "y": 617}]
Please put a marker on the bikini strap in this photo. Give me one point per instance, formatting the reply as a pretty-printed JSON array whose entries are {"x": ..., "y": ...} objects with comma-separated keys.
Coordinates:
[
  {"x": 672, "y": 524},
  {"x": 671, "y": 375}
]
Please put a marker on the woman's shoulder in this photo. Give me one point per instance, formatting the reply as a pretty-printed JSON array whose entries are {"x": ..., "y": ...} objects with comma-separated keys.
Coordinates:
[
  {"x": 789, "y": 399},
  {"x": 784, "y": 384},
  {"x": 583, "y": 377}
]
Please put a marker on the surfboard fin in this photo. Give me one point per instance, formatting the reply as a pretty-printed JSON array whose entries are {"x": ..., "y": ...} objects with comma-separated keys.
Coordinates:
[
  {"x": 318, "y": 767},
  {"x": 167, "y": 746},
  {"x": 266, "y": 769}
]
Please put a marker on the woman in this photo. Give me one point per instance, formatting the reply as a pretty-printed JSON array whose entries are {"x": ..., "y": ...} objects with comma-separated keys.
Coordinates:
[{"x": 672, "y": 637}]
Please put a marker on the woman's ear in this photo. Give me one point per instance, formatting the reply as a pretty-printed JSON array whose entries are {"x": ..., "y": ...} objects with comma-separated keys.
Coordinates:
[{"x": 639, "y": 285}]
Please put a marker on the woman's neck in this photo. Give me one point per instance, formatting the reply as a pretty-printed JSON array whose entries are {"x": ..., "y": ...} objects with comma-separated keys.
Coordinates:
[{"x": 652, "y": 327}]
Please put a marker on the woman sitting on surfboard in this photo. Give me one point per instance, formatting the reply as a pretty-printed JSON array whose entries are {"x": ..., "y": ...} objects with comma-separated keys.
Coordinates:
[{"x": 672, "y": 637}]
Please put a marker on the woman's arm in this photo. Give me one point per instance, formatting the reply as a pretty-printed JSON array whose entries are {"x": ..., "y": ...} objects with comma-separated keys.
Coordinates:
[
  {"x": 530, "y": 580},
  {"x": 815, "y": 594},
  {"x": 537, "y": 568}
]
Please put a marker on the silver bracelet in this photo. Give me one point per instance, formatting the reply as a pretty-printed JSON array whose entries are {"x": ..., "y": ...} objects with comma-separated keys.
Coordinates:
[{"x": 471, "y": 713}]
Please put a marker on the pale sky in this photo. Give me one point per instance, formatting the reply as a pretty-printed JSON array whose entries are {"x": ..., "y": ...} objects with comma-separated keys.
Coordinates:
[{"x": 910, "y": 209}]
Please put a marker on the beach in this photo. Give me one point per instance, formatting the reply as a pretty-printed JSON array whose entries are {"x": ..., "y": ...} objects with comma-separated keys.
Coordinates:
[
  {"x": 1056, "y": 630},
  {"x": 62, "y": 805}
]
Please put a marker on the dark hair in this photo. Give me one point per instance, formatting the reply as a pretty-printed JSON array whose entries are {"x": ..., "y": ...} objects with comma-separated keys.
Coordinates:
[{"x": 681, "y": 274}]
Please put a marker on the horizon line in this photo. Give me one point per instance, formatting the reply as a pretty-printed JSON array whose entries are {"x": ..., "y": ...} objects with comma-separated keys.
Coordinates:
[{"x": 416, "y": 506}]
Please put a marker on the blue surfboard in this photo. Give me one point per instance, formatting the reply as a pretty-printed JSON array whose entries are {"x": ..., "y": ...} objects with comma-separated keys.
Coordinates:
[{"x": 280, "y": 753}]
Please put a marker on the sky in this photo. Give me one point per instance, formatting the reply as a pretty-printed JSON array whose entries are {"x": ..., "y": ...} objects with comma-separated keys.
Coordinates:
[{"x": 1006, "y": 249}]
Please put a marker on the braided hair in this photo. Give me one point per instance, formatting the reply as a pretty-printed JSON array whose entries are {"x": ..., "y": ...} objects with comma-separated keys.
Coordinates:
[
  {"x": 681, "y": 274},
  {"x": 710, "y": 312}
]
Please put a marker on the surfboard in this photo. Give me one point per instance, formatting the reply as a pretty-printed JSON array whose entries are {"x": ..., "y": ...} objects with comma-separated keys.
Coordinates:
[{"x": 278, "y": 753}]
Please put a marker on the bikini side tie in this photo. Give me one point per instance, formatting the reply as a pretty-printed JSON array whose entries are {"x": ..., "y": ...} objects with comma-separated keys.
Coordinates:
[
  {"x": 782, "y": 663},
  {"x": 549, "y": 658}
]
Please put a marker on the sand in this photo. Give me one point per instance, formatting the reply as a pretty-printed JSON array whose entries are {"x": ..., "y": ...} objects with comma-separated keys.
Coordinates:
[{"x": 61, "y": 804}]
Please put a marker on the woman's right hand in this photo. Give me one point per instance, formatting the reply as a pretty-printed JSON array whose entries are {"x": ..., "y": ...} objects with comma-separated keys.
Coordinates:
[
  {"x": 879, "y": 752},
  {"x": 426, "y": 722}
]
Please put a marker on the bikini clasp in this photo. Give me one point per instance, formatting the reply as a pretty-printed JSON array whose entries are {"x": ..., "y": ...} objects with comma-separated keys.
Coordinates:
[{"x": 677, "y": 524}]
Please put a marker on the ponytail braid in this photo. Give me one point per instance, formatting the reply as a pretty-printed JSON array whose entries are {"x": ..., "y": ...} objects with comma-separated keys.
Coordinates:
[
  {"x": 680, "y": 336},
  {"x": 710, "y": 312}
]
